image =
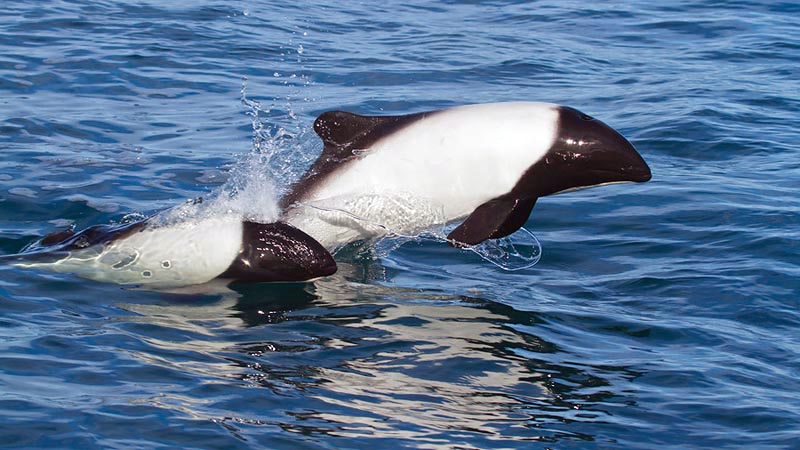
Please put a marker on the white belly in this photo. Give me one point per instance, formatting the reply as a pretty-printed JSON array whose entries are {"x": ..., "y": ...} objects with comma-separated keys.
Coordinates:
[
  {"x": 436, "y": 170},
  {"x": 176, "y": 255}
]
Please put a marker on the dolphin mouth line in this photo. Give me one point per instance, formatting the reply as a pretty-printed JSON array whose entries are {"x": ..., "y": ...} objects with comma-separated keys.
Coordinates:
[
  {"x": 35, "y": 258},
  {"x": 630, "y": 174},
  {"x": 580, "y": 188}
]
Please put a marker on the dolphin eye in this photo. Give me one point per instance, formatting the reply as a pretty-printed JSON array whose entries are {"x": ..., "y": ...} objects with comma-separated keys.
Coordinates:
[{"x": 586, "y": 117}]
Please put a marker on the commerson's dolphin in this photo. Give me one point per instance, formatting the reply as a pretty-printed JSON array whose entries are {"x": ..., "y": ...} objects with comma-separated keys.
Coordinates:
[
  {"x": 183, "y": 253},
  {"x": 489, "y": 163},
  {"x": 376, "y": 175}
]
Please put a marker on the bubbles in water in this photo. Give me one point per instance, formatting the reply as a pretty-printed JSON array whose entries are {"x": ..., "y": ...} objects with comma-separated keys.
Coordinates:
[
  {"x": 81, "y": 242},
  {"x": 132, "y": 217}
]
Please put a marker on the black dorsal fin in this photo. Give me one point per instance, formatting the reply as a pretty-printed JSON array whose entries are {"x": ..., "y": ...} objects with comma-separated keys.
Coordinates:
[
  {"x": 341, "y": 129},
  {"x": 338, "y": 128},
  {"x": 343, "y": 135}
]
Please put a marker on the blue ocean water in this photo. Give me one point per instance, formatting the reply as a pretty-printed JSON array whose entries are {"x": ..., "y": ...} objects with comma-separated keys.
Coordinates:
[{"x": 660, "y": 315}]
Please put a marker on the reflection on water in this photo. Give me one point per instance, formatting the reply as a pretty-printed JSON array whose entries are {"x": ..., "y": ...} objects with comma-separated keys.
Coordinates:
[{"x": 344, "y": 358}]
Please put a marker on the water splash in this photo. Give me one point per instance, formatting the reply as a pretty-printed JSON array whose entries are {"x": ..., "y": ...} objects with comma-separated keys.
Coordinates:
[
  {"x": 282, "y": 144},
  {"x": 250, "y": 192},
  {"x": 400, "y": 215},
  {"x": 521, "y": 250}
]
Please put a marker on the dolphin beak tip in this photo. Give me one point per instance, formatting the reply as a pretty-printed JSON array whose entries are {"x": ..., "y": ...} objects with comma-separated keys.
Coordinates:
[{"x": 643, "y": 174}]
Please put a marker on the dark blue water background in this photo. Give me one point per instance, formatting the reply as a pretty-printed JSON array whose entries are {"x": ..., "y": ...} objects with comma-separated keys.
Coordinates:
[{"x": 663, "y": 314}]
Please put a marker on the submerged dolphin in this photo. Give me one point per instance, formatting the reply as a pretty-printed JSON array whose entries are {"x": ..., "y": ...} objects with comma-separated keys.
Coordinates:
[
  {"x": 488, "y": 163},
  {"x": 180, "y": 254}
]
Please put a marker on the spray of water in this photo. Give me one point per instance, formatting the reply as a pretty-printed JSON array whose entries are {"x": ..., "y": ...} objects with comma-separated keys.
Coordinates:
[
  {"x": 250, "y": 192},
  {"x": 520, "y": 250}
]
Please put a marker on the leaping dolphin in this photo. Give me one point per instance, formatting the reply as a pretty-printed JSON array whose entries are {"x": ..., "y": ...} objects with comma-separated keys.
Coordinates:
[{"x": 488, "y": 163}]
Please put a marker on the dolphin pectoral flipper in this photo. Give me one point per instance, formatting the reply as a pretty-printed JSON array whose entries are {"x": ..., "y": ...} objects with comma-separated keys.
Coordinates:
[{"x": 494, "y": 219}]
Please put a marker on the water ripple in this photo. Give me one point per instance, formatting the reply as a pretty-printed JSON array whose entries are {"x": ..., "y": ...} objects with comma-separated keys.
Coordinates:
[{"x": 660, "y": 315}]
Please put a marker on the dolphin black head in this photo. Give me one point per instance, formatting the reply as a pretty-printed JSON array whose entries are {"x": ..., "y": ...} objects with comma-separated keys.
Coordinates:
[
  {"x": 586, "y": 152},
  {"x": 279, "y": 252},
  {"x": 61, "y": 245},
  {"x": 71, "y": 251},
  {"x": 68, "y": 240}
]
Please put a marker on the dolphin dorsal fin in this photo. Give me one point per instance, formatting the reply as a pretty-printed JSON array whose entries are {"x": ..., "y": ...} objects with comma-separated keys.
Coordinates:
[
  {"x": 345, "y": 136},
  {"x": 343, "y": 132}
]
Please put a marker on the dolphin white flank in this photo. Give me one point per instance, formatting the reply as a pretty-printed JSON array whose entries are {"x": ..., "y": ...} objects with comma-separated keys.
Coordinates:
[
  {"x": 147, "y": 253},
  {"x": 488, "y": 163}
]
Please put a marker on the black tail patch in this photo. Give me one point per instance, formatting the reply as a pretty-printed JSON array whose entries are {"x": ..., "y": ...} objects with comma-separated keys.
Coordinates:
[{"x": 279, "y": 252}]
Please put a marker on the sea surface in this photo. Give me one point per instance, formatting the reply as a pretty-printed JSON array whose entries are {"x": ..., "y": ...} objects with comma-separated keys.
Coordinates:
[{"x": 661, "y": 315}]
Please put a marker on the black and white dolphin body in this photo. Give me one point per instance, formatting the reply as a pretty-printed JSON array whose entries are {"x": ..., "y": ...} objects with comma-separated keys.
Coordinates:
[
  {"x": 488, "y": 163},
  {"x": 376, "y": 175},
  {"x": 146, "y": 253}
]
